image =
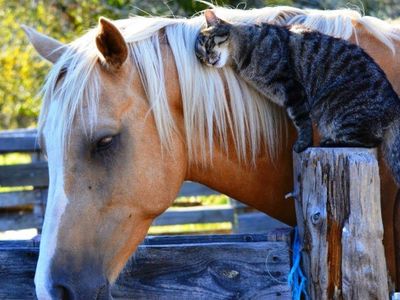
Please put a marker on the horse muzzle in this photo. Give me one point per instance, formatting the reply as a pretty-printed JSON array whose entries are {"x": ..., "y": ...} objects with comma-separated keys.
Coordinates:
[
  {"x": 66, "y": 291},
  {"x": 73, "y": 281}
]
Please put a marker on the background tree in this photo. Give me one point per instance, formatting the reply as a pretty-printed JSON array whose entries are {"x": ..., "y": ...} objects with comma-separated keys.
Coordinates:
[{"x": 23, "y": 72}]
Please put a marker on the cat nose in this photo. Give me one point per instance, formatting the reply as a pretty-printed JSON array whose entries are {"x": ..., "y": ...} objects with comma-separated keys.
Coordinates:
[{"x": 213, "y": 60}]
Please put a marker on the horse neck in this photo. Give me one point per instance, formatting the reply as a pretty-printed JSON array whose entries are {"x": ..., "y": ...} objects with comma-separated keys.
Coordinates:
[{"x": 262, "y": 185}]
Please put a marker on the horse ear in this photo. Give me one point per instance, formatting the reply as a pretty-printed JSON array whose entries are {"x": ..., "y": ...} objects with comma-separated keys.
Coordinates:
[
  {"x": 212, "y": 19},
  {"x": 47, "y": 47},
  {"x": 111, "y": 44}
]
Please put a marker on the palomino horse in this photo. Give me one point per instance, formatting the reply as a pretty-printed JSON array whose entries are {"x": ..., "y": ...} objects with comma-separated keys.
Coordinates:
[{"x": 129, "y": 114}]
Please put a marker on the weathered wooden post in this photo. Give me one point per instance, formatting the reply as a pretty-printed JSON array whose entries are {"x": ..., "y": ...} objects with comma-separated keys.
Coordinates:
[
  {"x": 40, "y": 196},
  {"x": 337, "y": 193}
]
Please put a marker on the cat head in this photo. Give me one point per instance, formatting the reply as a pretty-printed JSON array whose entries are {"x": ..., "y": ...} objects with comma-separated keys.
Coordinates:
[{"x": 212, "y": 44}]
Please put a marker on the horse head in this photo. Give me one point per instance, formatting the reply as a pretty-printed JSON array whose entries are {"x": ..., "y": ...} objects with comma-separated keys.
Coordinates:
[{"x": 109, "y": 177}]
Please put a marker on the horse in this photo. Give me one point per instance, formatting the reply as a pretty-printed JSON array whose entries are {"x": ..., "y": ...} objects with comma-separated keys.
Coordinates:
[{"x": 129, "y": 113}]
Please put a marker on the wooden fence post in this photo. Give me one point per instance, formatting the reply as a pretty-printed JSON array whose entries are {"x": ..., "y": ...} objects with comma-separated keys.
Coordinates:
[
  {"x": 337, "y": 193},
  {"x": 40, "y": 196}
]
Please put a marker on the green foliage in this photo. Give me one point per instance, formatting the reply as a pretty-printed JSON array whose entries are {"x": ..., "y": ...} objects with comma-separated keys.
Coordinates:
[
  {"x": 14, "y": 158},
  {"x": 379, "y": 8},
  {"x": 17, "y": 84},
  {"x": 23, "y": 71}
]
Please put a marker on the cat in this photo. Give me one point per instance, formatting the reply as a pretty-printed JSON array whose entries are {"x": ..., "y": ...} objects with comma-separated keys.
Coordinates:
[{"x": 315, "y": 77}]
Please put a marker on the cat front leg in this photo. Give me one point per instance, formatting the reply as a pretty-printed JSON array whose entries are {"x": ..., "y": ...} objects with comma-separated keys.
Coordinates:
[
  {"x": 298, "y": 111},
  {"x": 303, "y": 124}
]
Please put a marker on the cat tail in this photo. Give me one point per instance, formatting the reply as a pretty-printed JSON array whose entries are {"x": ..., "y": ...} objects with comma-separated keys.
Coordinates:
[{"x": 391, "y": 149}]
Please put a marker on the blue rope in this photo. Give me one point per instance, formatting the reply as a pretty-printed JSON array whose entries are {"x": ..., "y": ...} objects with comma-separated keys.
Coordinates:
[{"x": 296, "y": 277}]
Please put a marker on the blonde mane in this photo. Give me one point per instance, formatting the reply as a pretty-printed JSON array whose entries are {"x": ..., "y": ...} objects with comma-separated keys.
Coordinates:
[{"x": 254, "y": 122}]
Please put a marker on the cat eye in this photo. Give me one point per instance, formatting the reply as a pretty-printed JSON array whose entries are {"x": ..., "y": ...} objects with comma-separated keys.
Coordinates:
[{"x": 221, "y": 39}]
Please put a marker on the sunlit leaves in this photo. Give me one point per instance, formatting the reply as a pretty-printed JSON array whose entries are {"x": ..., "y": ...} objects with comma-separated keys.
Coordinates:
[{"x": 22, "y": 71}]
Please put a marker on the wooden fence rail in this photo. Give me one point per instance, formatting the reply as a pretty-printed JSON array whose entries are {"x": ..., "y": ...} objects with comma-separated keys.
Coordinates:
[
  {"x": 20, "y": 140},
  {"x": 184, "y": 267}
]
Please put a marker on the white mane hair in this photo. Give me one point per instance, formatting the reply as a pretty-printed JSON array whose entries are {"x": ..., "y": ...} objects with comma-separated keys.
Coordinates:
[{"x": 254, "y": 122}]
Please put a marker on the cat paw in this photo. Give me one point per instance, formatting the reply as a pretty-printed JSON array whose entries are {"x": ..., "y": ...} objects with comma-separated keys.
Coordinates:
[
  {"x": 300, "y": 146},
  {"x": 327, "y": 143}
]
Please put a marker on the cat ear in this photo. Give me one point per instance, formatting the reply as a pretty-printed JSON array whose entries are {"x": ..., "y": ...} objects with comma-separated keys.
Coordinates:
[{"x": 212, "y": 19}]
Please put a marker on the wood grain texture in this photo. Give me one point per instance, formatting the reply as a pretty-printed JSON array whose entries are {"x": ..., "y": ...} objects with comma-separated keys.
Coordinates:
[
  {"x": 396, "y": 221},
  {"x": 338, "y": 213},
  {"x": 15, "y": 212},
  {"x": 20, "y": 220},
  {"x": 214, "y": 267},
  {"x": 19, "y": 198},
  {"x": 21, "y": 140},
  {"x": 33, "y": 174}
]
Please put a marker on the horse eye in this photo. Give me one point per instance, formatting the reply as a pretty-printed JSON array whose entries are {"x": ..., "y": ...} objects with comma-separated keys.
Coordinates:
[{"x": 104, "y": 143}]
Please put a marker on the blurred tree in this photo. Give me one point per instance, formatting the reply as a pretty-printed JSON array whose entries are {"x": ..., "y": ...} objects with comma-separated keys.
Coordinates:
[
  {"x": 22, "y": 71},
  {"x": 379, "y": 8}
]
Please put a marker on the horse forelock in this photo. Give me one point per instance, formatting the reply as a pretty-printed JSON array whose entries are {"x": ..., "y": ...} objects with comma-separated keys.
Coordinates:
[
  {"x": 207, "y": 115},
  {"x": 71, "y": 85}
]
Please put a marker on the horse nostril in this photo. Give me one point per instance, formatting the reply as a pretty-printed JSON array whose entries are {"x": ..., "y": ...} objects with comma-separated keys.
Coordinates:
[
  {"x": 63, "y": 293},
  {"x": 75, "y": 286}
]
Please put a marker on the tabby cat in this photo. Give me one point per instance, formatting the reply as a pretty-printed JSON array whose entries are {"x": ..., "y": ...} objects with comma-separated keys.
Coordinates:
[{"x": 316, "y": 77}]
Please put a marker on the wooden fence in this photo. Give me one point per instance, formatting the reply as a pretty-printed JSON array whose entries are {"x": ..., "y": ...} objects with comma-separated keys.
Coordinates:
[
  {"x": 338, "y": 213},
  {"x": 216, "y": 266},
  {"x": 182, "y": 267}
]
